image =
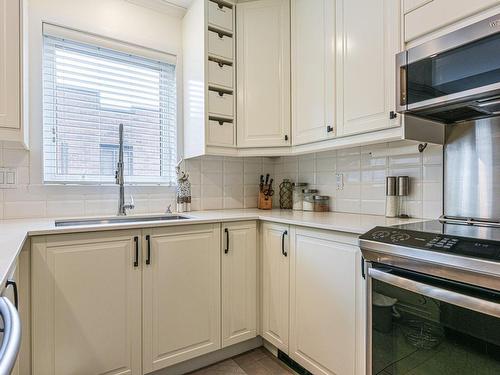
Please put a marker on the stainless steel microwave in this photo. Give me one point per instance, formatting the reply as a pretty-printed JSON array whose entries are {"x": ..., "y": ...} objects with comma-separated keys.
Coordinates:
[{"x": 453, "y": 78}]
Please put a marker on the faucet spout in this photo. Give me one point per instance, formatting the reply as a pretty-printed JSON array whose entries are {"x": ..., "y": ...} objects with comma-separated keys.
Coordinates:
[{"x": 122, "y": 207}]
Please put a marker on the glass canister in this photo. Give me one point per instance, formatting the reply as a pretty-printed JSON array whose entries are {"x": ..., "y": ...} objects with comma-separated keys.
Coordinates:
[
  {"x": 321, "y": 203},
  {"x": 286, "y": 195},
  {"x": 308, "y": 204},
  {"x": 298, "y": 195}
]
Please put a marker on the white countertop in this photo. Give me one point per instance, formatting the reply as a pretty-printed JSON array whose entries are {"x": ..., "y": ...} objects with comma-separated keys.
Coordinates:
[{"x": 14, "y": 233}]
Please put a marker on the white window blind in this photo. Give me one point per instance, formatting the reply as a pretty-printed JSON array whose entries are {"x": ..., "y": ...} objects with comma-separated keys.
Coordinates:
[{"x": 88, "y": 91}]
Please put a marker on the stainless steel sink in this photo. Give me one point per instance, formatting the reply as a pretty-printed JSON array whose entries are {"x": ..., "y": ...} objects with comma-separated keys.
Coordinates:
[{"x": 117, "y": 220}]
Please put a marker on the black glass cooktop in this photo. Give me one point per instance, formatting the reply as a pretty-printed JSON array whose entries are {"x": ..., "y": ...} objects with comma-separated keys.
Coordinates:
[{"x": 465, "y": 240}]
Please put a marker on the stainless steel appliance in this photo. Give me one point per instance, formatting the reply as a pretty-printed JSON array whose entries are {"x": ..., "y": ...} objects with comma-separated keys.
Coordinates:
[
  {"x": 444, "y": 282},
  {"x": 453, "y": 78},
  {"x": 434, "y": 287},
  {"x": 10, "y": 332}
]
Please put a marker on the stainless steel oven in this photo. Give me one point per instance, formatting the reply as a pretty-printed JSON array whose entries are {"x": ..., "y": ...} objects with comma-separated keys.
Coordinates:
[
  {"x": 433, "y": 299},
  {"x": 453, "y": 78},
  {"x": 434, "y": 327}
]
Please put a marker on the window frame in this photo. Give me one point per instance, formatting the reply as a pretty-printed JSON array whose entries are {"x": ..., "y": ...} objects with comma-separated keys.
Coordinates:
[{"x": 97, "y": 41}]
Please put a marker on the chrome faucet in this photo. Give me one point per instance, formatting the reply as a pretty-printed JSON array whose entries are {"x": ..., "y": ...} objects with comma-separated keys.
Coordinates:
[{"x": 122, "y": 207}]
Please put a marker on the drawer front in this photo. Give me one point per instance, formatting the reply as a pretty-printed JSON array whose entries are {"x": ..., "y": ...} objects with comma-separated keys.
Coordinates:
[
  {"x": 220, "y": 45},
  {"x": 220, "y": 133},
  {"x": 220, "y": 104},
  {"x": 220, "y": 16},
  {"x": 220, "y": 74}
]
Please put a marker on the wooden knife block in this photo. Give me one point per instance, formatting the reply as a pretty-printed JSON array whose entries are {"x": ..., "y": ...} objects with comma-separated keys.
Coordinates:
[{"x": 263, "y": 203}]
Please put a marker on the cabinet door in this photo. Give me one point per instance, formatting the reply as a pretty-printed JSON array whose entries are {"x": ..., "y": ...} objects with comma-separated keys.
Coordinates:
[
  {"x": 10, "y": 19},
  {"x": 326, "y": 303},
  {"x": 313, "y": 70},
  {"x": 239, "y": 282},
  {"x": 263, "y": 71},
  {"x": 181, "y": 294},
  {"x": 370, "y": 34},
  {"x": 430, "y": 15},
  {"x": 275, "y": 284},
  {"x": 86, "y": 304}
]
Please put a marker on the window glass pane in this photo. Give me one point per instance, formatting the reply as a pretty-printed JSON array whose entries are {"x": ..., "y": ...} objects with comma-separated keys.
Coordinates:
[{"x": 87, "y": 93}]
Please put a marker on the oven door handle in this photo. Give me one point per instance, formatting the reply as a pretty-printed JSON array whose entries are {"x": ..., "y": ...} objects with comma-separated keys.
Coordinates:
[
  {"x": 444, "y": 295},
  {"x": 11, "y": 336}
]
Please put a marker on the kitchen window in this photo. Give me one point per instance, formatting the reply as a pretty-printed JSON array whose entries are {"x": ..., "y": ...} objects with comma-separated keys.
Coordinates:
[{"x": 91, "y": 85}]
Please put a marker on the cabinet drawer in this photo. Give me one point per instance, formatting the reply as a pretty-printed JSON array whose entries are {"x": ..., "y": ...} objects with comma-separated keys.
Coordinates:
[
  {"x": 220, "y": 45},
  {"x": 220, "y": 133},
  {"x": 220, "y": 74},
  {"x": 220, "y": 15},
  {"x": 220, "y": 103}
]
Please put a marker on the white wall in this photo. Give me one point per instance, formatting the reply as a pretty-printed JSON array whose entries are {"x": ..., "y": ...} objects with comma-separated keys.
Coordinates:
[
  {"x": 217, "y": 182},
  {"x": 117, "y": 19}
]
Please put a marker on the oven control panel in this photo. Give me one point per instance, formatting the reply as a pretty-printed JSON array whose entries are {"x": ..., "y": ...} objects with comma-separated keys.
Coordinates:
[{"x": 435, "y": 242}]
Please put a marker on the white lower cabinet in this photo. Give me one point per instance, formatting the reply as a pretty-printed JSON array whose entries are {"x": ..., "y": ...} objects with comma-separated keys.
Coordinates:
[
  {"x": 130, "y": 302},
  {"x": 181, "y": 294},
  {"x": 86, "y": 304},
  {"x": 275, "y": 273},
  {"x": 239, "y": 282},
  {"x": 326, "y": 302}
]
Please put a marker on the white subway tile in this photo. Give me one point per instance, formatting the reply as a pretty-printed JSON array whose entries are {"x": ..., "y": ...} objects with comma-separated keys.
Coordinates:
[
  {"x": 15, "y": 158},
  {"x": 65, "y": 208},
  {"x": 433, "y": 173},
  {"x": 373, "y": 207},
  {"x": 432, "y": 209},
  {"x": 24, "y": 209}
]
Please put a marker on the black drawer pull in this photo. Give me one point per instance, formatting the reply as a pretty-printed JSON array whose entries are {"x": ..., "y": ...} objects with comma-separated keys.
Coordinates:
[
  {"x": 13, "y": 284},
  {"x": 136, "y": 260},
  {"x": 283, "y": 243},
  {"x": 148, "y": 255},
  {"x": 226, "y": 250}
]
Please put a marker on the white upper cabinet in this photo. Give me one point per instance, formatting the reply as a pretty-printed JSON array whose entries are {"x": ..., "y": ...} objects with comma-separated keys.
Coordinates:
[
  {"x": 313, "y": 70},
  {"x": 181, "y": 294},
  {"x": 425, "y": 16},
  {"x": 10, "y": 70},
  {"x": 370, "y": 37},
  {"x": 209, "y": 78},
  {"x": 239, "y": 282},
  {"x": 263, "y": 73}
]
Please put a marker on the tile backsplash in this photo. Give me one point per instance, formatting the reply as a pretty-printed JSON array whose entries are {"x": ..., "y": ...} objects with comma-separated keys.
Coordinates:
[
  {"x": 225, "y": 182},
  {"x": 363, "y": 177}
]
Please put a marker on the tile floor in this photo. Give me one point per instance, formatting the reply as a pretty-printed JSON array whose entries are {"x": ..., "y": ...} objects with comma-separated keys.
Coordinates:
[{"x": 256, "y": 362}]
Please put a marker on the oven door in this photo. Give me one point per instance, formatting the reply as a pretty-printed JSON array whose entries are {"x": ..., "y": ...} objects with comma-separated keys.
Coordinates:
[
  {"x": 454, "y": 77},
  {"x": 423, "y": 325}
]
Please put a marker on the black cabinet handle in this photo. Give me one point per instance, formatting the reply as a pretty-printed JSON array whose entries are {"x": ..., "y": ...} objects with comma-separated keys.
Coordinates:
[
  {"x": 148, "y": 256},
  {"x": 329, "y": 129},
  {"x": 392, "y": 115},
  {"x": 226, "y": 250},
  {"x": 13, "y": 284},
  {"x": 283, "y": 243},
  {"x": 286, "y": 137},
  {"x": 136, "y": 260}
]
